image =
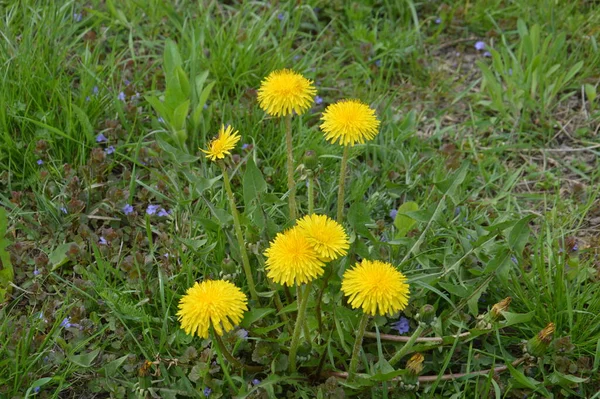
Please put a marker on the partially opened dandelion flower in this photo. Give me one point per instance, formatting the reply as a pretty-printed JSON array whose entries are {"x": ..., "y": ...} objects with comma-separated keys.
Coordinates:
[
  {"x": 215, "y": 303},
  {"x": 349, "y": 122},
  {"x": 377, "y": 287},
  {"x": 291, "y": 259},
  {"x": 222, "y": 144},
  {"x": 326, "y": 235},
  {"x": 285, "y": 91}
]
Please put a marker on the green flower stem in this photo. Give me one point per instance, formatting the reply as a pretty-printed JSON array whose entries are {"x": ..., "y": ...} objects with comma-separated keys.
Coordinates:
[
  {"x": 311, "y": 192},
  {"x": 407, "y": 347},
  {"x": 290, "y": 167},
  {"x": 239, "y": 234},
  {"x": 305, "y": 324},
  {"x": 357, "y": 346},
  {"x": 302, "y": 303},
  {"x": 222, "y": 349},
  {"x": 340, "y": 199}
]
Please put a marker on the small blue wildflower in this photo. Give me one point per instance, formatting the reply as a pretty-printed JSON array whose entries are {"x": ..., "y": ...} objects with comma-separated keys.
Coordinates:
[
  {"x": 95, "y": 90},
  {"x": 207, "y": 391},
  {"x": 41, "y": 316},
  {"x": 393, "y": 213},
  {"x": 161, "y": 120},
  {"x": 126, "y": 81},
  {"x": 378, "y": 63},
  {"x": 88, "y": 99},
  {"x": 40, "y": 162},
  {"x": 242, "y": 334},
  {"x": 36, "y": 272},
  {"x": 318, "y": 100},
  {"x": 163, "y": 213},
  {"x": 402, "y": 325},
  {"x": 100, "y": 138},
  {"x": 127, "y": 209},
  {"x": 66, "y": 323},
  {"x": 245, "y": 146},
  {"x": 122, "y": 96},
  {"x": 515, "y": 261},
  {"x": 102, "y": 241},
  {"x": 487, "y": 54},
  {"x": 36, "y": 389},
  {"x": 479, "y": 45},
  {"x": 575, "y": 247},
  {"x": 110, "y": 150},
  {"x": 280, "y": 16},
  {"x": 77, "y": 17},
  {"x": 438, "y": 21},
  {"x": 255, "y": 381},
  {"x": 151, "y": 210}
]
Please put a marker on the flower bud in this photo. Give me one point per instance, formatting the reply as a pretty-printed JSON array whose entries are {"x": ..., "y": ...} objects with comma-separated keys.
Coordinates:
[
  {"x": 538, "y": 345},
  {"x": 427, "y": 314},
  {"x": 414, "y": 367},
  {"x": 310, "y": 160},
  {"x": 500, "y": 307},
  {"x": 415, "y": 364}
]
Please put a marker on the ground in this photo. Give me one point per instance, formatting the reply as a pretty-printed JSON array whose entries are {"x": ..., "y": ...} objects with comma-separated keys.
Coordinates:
[{"x": 481, "y": 184}]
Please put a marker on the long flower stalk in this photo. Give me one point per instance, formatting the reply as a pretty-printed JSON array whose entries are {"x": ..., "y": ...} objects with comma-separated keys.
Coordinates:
[
  {"x": 340, "y": 199},
  {"x": 290, "y": 167},
  {"x": 239, "y": 234},
  {"x": 362, "y": 326},
  {"x": 303, "y": 302},
  {"x": 407, "y": 346}
]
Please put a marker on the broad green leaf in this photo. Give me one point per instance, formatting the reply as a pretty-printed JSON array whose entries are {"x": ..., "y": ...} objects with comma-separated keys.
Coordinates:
[
  {"x": 473, "y": 301},
  {"x": 85, "y": 359},
  {"x": 6, "y": 267},
  {"x": 171, "y": 59},
  {"x": 403, "y": 222},
  {"x": 110, "y": 369},
  {"x": 59, "y": 257},
  {"x": 254, "y": 315},
  {"x": 179, "y": 115},
  {"x": 519, "y": 234},
  {"x": 450, "y": 185},
  {"x": 253, "y": 183},
  {"x": 358, "y": 217},
  {"x": 160, "y": 108},
  {"x": 516, "y": 318},
  {"x": 174, "y": 153}
]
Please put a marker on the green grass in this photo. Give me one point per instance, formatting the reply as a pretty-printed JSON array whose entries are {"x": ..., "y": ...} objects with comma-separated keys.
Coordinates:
[{"x": 503, "y": 168}]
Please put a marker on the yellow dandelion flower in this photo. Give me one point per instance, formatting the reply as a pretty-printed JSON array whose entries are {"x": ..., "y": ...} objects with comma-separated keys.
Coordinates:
[
  {"x": 215, "y": 303},
  {"x": 377, "y": 287},
  {"x": 349, "y": 122},
  {"x": 285, "y": 91},
  {"x": 326, "y": 235},
  {"x": 222, "y": 144},
  {"x": 291, "y": 259}
]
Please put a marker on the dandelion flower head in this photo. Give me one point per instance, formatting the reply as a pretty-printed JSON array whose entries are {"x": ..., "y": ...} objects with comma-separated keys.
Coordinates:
[
  {"x": 222, "y": 144},
  {"x": 285, "y": 91},
  {"x": 292, "y": 259},
  {"x": 377, "y": 287},
  {"x": 326, "y": 236},
  {"x": 349, "y": 122},
  {"x": 215, "y": 303}
]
